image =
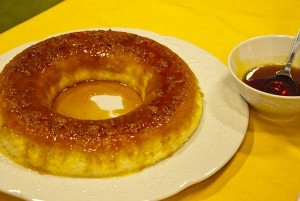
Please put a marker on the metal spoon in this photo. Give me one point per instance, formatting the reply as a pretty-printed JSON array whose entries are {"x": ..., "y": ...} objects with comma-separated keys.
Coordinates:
[{"x": 282, "y": 83}]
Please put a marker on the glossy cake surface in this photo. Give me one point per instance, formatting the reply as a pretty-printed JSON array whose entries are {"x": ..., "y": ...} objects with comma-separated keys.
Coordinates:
[{"x": 35, "y": 136}]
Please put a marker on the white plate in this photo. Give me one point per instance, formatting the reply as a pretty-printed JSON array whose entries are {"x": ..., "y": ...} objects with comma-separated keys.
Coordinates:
[{"x": 218, "y": 137}]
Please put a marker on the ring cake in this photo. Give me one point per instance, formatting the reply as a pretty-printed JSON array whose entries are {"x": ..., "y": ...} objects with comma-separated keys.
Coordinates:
[{"x": 34, "y": 135}]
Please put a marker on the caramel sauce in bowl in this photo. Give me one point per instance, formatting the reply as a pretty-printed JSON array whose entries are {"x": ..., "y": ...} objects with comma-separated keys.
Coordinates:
[
  {"x": 95, "y": 100},
  {"x": 255, "y": 77}
]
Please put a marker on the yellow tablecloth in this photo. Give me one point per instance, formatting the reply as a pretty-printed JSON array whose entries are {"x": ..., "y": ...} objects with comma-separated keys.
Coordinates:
[{"x": 267, "y": 165}]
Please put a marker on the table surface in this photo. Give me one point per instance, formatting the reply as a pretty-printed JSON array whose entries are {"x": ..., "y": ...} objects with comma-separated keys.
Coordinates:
[{"x": 267, "y": 165}]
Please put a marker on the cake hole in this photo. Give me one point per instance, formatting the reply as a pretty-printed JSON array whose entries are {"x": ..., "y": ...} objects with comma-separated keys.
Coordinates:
[{"x": 95, "y": 100}]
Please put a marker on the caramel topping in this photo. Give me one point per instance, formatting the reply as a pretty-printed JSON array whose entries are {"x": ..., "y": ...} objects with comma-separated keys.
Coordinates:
[{"x": 94, "y": 100}]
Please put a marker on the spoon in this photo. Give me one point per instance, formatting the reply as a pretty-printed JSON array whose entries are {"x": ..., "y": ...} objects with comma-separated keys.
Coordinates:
[{"x": 282, "y": 83}]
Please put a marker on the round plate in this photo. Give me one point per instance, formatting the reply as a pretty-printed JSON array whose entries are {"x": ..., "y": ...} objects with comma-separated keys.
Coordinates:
[{"x": 218, "y": 137}]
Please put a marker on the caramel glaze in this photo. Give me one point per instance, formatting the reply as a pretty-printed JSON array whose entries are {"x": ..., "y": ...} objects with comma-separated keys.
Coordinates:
[
  {"x": 76, "y": 101},
  {"x": 29, "y": 83}
]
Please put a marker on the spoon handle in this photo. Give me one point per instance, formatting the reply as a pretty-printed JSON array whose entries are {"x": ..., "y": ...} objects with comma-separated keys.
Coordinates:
[{"x": 288, "y": 66}]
